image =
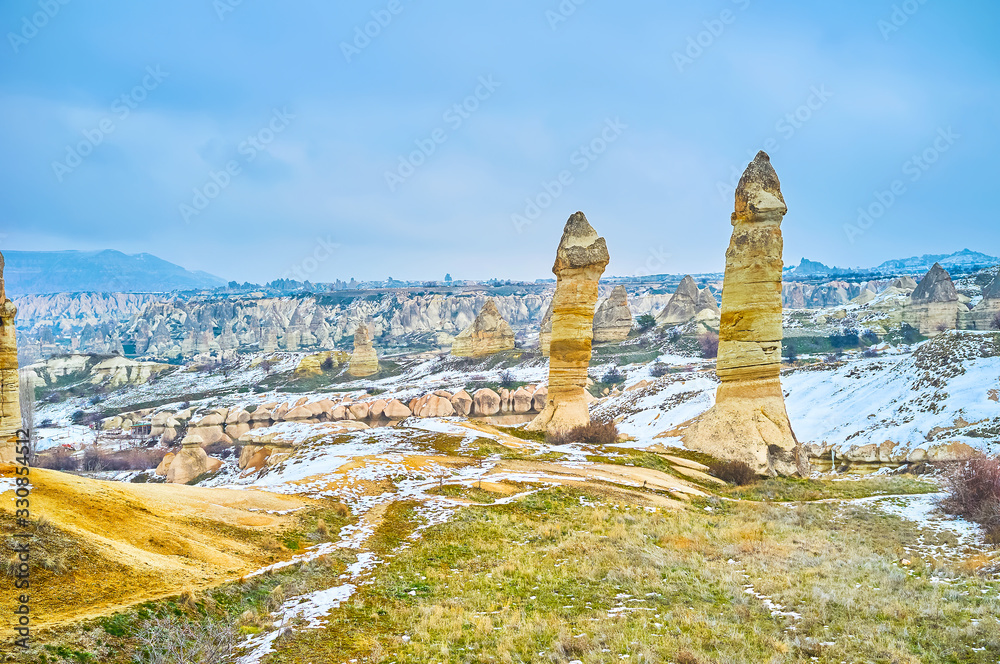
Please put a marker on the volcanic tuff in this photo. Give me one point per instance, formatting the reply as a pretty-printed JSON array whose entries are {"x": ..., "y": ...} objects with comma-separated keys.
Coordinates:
[
  {"x": 934, "y": 305},
  {"x": 689, "y": 303},
  {"x": 580, "y": 260},
  {"x": 488, "y": 334},
  {"x": 364, "y": 361},
  {"x": 613, "y": 320},
  {"x": 749, "y": 422},
  {"x": 10, "y": 407}
]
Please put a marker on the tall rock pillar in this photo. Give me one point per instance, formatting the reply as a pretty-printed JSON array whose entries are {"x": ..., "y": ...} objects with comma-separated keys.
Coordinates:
[
  {"x": 10, "y": 406},
  {"x": 580, "y": 262},
  {"x": 749, "y": 422}
]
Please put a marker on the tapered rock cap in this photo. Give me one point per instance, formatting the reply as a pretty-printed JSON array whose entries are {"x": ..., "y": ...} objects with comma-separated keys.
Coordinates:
[
  {"x": 936, "y": 286},
  {"x": 580, "y": 246},
  {"x": 759, "y": 191}
]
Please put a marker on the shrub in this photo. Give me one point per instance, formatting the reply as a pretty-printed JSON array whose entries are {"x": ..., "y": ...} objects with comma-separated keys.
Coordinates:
[
  {"x": 973, "y": 492},
  {"x": 507, "y": 379},
  {"x": 870, "y": 352},
  {"x": 995, "y": 323},
  {"x": 60, "y": 458},
  {"x": 220, "y": 449},
  {"x": 734, "y": 472},
  {"x": 659, "y": 369},
  {"x": 613, "y": 376},
  {"x": 790, "y": 352},
  {"x": 869, "y": 338},
  {"x": 709, "y": 342},
  {"x": 595, "y": 433},
  {"x": 328, "y": 364},
  {"x": 173, "y": 640},
  {"x": 645, "y": 321}
]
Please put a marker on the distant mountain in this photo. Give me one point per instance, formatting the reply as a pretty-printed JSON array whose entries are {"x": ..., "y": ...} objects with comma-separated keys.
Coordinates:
[
  {"x": 808, "y": 268},
  {"x": 965, "y": 258},
  {"x": 108, "y": 271}
]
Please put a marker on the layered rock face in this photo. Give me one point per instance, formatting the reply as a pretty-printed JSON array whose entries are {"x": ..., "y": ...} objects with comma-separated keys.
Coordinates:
[
  {"x": 749, "y": 422},
  {"x": 545, "y": 331},
  {"x": 580, "y": 262},
  {"x": 985, "y": 314},
  {"x": 689, "y": 303},
  {"x": 487, "y": 335},
  {"x": 613, "y": 320},
  {"x": 934, "y": 305},
  {"x": 364, "y": 361},
  {"x": 10, "y": 406}
]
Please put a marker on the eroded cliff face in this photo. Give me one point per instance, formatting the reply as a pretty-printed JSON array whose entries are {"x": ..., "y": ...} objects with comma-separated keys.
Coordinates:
[
  {"x": 487, "y": 335},
  {"x": 749, "y": 422},
  {"x": 10, "y": 406},
  {"x": 580, "y": 261},
  {"x": 613, "y": 319}
]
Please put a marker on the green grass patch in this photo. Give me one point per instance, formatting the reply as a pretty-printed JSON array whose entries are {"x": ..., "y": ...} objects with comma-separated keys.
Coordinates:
[{"x": 785, "y": 489}]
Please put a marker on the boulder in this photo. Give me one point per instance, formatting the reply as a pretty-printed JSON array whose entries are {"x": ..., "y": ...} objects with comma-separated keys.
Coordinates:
[
  {"x": 377, "y": 409},
  {"x": 395, "y": 410},
  {"x": 435, "y": 406},
  {"x": 164, "y": 464},
  {"x": 539, "y": 398},
  {"x": 521, "y": 401},
  {"x": 580, "y": 261},
  {"x": 462, "y": 403},
  {"x": 190, "y": 462},
  {"x": 485, "y": 402},
  {"x": 359, "y": 410}
]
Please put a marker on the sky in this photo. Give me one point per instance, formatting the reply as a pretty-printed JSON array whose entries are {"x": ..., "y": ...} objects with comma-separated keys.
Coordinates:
[{"x": 406, "y": 139}]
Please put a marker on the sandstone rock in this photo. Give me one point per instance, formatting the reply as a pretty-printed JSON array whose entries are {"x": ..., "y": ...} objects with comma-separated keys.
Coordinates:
[
  {"x": 504, "y": 400},
  {"x": 487, "y": 335},
  {"x": 164, "y": 464},
  {"x": 485, "y": 402},
  {"x": 984, "y": 315},
  {"x": 238, "y": 416},
  {"x": 904, "y": 283},
  {"x": 360, "y": 410},
  {"x": 435, "y": 406},
  {"x": 521, "y": 401},
  {"x": 545, "y": 331},
  {"x": 234, "y": 431},
  {"x": 934, "y": 305},
  {"x": 395, "y": 410},
  {"x": 580, "y": 261},
  {"x": 689, "y": 303},
  {"x": 749, "y": 422},
  {"x": 462, "y": 403},
  {"x": 377, "y": 409},
  {"x": 364, "y": 361},
  {"x": 211, "y": 420},
  {"x": 539, "y": 399},
  {"x": 299, "y": 413},
  {"x": 613, "y": 320},
  {"x": 189, "y": 463},
  {"x": 442, "y": 393},
  {"x": 312, "y": 365}
]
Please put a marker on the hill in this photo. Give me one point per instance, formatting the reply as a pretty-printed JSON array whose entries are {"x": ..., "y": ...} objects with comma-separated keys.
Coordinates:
[{"x": 107, "y": 271}]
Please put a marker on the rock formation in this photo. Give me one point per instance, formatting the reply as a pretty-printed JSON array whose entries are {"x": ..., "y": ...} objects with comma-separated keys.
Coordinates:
[
  {"x": 689, "y": 303},
  {"x": 613, "y": 320},
  {"x": 545, "y": 332},
  {"x": 934, "y": 305},
  {"x": 364, "y": 361},
  {"x": 10, "y": 406},
  {"x": 189, "y": 463},
  {"x": 487, "y": 335},
  {"x": 986, "y": 314},
  {"x": 580, "y": 262},
  {"x": 749, "y": 422}
]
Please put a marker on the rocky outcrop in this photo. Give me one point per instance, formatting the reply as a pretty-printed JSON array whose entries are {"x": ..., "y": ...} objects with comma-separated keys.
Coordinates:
[
  {"x": 190, "y": 462},
  {"x": 986, "y": 314},
  {"x": 613, "y": 320},
  {"x": 487, "y": 335},
  {"x": 312, "y": 365},
  {"x": 545, "y": 332},
  {"x": 580, "y": 261},
  {"x": 934, "y": 305},
  {"x": 689, "y": 303},
  {"x": 364, "y": 361},
  {"x": 10, "y": 406},
  {"x": 749, "y": 422}
]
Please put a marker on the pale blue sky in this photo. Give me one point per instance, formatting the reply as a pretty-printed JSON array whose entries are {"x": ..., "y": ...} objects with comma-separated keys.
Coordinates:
[{"x": 673, "y": 129}]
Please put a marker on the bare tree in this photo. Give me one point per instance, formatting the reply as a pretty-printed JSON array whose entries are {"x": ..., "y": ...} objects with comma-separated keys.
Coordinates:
[{"x": 26, "y": 397}]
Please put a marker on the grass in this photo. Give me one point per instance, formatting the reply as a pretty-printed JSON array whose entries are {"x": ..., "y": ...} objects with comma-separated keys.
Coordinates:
[
  {"x": 472, "y": 493},
  {"x": 554, "y": 578},
  {"x": 790, "y": 489}
]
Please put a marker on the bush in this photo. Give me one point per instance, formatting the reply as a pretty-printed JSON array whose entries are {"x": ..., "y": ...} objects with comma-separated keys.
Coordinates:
[
  {"x": 973, "y": 492},
  {"x": 175, "y": 640},
  {"x": 60, "y": 458},
  {"x": 328, "y": 364},
  {"x": 709, "y": 342},
  {"x": 870, "y": 352},
  {"x": 659, "y": 369},
  {"x": 734, "y": 472},
  {"x": 645, "y": 321},
  {"x": 507, "y": 379},
  {"x": 595, "y": 433},
  {"x": 613, "y": 376}
]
